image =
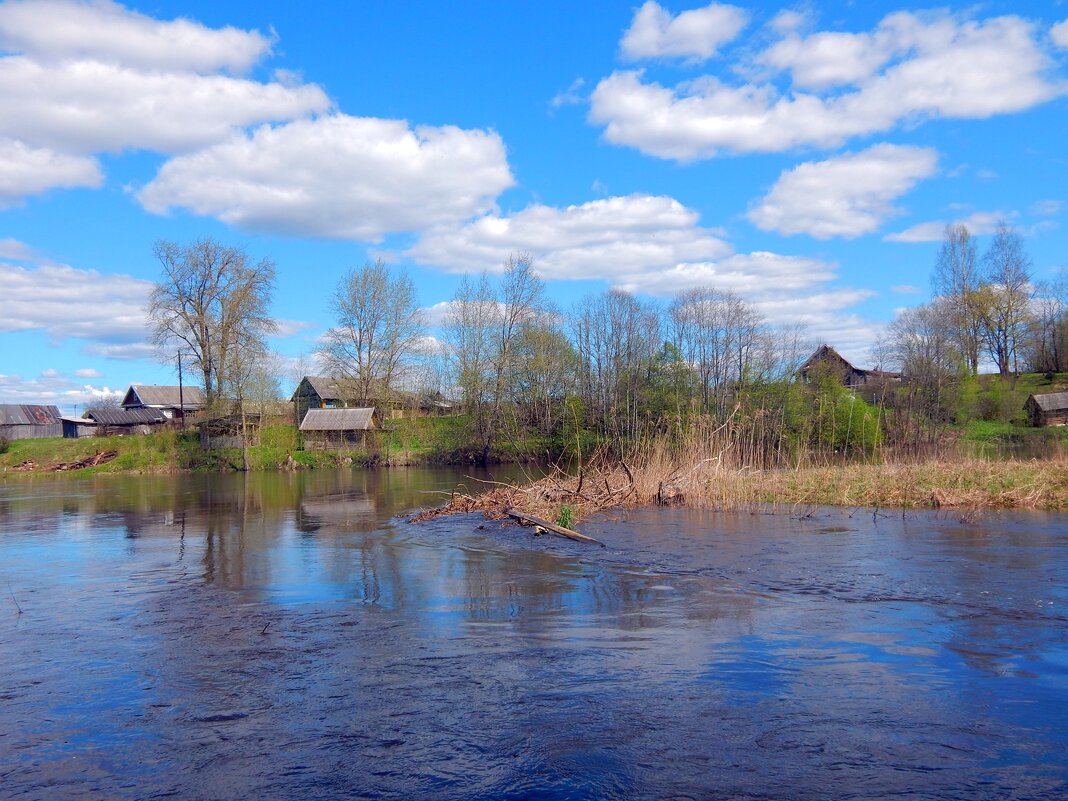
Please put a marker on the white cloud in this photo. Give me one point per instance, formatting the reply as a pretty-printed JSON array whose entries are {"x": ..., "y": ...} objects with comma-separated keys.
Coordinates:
[
  {"x": 51, "y": 298},
  {"x": 844, "y": 196},
  {"x": 338, "y": 176},
  {"x": 28, "y": 171},
  {"x": 13, "y": 249},
  {"x": 289, "y": 328},
  {"x": 81, "y": 78},
  {"x": 599, "y": 239},
  {"x": 91, "y": 106},
  {"x": 88, "y": 372},
  {"x": 696, "y": 34},
  {"x": 571, "y": 96},
  {"x": 939, "y": 67},
  {"x": 751, "y": 274},
  {"x": 979, "y": 223},
  {"x": 1059, "y": 33},
  {"x": 906, "y": 289},
  {"x": 1047, "y": 208},
  {"x": 58, "y": 30},
  {"x": 52, "y": 390}
]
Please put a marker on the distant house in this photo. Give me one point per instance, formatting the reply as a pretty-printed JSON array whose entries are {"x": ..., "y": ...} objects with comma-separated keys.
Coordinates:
[
  {"x": 827, "y": 359},
  {"x": 338, "y": 428},
  {"x": 1047, "y": 409},
  {"x": 321, "y": 392},
  {"x": 27, "y": 421},
  {"x": 173, "y": 402}
]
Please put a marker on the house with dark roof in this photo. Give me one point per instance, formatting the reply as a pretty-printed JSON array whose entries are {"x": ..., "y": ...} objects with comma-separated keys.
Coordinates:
[
  {"x": 322, "y": 392},
  {"x": 1047, "y": 409},
  {"x": 29, "y": 421},
  {"x": 827, "y": 360},
  {"x": 173, "y": 402},
  {"x": 338, "y": 428}
]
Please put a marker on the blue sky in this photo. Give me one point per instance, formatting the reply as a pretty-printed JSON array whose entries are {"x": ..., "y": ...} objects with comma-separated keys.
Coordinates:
[{"x": 804, "y": 156}]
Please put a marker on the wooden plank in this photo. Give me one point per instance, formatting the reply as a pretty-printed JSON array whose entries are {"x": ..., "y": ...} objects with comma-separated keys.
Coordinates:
[{"x": 548, "y": 526}]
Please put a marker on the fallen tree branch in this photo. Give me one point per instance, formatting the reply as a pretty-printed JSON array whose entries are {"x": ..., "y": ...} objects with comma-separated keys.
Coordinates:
[{"x": 548, "y": 526}]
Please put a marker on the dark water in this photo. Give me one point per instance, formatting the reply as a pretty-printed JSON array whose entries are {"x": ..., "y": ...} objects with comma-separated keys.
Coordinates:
[{"x": 288, "y": 637}]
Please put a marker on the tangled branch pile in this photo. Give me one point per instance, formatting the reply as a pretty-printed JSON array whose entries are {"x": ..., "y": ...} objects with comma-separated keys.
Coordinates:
[{"x": 604, "y": 482}]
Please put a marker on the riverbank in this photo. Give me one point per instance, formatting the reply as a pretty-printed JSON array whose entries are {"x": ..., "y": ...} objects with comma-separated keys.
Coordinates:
[{"x": 407, "y": 442}]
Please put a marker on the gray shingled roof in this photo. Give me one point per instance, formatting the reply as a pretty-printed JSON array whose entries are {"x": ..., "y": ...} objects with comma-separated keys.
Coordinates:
[
  {"x": 1051, "y": 401},
  {"x": 126, "y": 417},
  {"x": 14, "y": 414},
  {"x": 337, "y": 420},
  {"x": 153, "y": 395},
  {"x": 332, "y": 388}
]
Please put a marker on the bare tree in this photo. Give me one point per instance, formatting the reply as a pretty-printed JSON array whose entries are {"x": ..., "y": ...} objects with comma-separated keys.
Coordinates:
[
  {"x": 210, "y": 301},
  {"x": 1005, "y": 298},
  {"x": 617, "y": 338},
  {"x": 922, "y": 341},
  {"x": 483, "y": 331},
  {"x": 378, "y": 327},
  {"x": 956, "y": 278}
]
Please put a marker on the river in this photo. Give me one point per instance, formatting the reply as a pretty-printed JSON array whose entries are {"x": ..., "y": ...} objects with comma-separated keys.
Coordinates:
[{"x": 292, "y": 636}]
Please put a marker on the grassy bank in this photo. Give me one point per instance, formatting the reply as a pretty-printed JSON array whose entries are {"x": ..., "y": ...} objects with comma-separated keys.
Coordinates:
[{"x": 419, "y": 441}]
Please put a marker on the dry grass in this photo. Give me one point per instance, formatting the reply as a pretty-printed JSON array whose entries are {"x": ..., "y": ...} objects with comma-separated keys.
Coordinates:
[{"x": 712, "y": 470}]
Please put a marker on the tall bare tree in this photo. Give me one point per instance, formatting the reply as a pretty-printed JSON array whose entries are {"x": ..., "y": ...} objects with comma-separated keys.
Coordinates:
[
  {"x": 378, "y": 327},
  {"x": 484, "y": 330},
  {"x": 1005, "y": 298},
  {"x": 956, "y": 278},
  {"x": 211, "y": 302}
]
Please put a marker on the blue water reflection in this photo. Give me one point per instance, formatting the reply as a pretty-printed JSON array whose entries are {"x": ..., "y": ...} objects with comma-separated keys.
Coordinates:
[{"x": 290, "y": 636}]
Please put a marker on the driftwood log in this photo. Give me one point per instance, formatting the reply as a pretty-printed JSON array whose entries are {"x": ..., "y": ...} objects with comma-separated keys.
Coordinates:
[{"x": 531, "y": 520}]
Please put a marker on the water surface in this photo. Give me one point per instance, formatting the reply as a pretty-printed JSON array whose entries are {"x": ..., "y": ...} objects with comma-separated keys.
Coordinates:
[{"x": 289, "y": 636}]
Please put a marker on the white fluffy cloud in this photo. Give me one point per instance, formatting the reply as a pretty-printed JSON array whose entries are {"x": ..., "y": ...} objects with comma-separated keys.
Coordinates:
[
  {"x": 58, "y": 30},
  {"x": 90, "y": 106},
  {"x": 82, "y": 78},
  {"x": 338, "y": 176},
  {"x": 844, "y": 196},
  {"x": 913, "y": 67},
  {"x": 696, "y": 34},
  {"x": 600, "y": 239},
  {"x": 28, "y": 171},
  {"x": 53, "y": 389},
  {"x": 51, "y": 298},
  {"x": 1059, "y": 33},
  {"x": 978, "y": 223}
]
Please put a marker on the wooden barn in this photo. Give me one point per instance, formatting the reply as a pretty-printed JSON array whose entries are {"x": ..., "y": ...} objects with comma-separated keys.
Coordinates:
[
  {"x": 321, "y": 392},
  {"x": 829, "y": 360},
  {"x": 173, "y": 402},
  {"x": 1047, "y": 409},
  {"x": 112, "y": 422},
  {"x": 338, "y": 428},
  {"x": 29, "y": 421}
]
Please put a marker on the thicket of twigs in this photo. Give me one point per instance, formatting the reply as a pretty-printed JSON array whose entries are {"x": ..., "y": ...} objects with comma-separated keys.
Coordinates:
[{"x": 726, "y": 467}]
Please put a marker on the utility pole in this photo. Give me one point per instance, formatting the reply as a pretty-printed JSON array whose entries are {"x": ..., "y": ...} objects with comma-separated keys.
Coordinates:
[{"x": 181, "y": 391}]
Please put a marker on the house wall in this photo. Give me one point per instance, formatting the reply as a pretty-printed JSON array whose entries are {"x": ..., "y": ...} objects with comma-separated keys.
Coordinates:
[
  {"x": 334, "y": 440},
  {"x": 32, "y": 432}
]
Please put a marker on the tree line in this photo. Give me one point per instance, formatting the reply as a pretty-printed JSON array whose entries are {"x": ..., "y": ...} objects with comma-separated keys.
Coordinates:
[{"x": 614, "y": 366}]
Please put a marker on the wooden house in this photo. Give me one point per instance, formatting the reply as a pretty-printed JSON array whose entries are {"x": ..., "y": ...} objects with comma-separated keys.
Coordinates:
[
  {"x": 339, "y": 428},
  {"x": 29, "y": 421},
  {"x": 827, "y": 359},
  {"x": 1047, "y": 409},
  {"x": 321, "y": 392},
  {"x": 173, "y": 402}
]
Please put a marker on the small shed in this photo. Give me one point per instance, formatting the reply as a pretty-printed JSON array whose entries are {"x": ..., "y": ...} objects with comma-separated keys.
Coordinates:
[
  {"x": 173, "y": 402},
  {"x": 138, "y": 420},
  {"x": 1047, "y": 409},
  {"x": 29, "y": 421},
  {"x": 338, "y": 428}
]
